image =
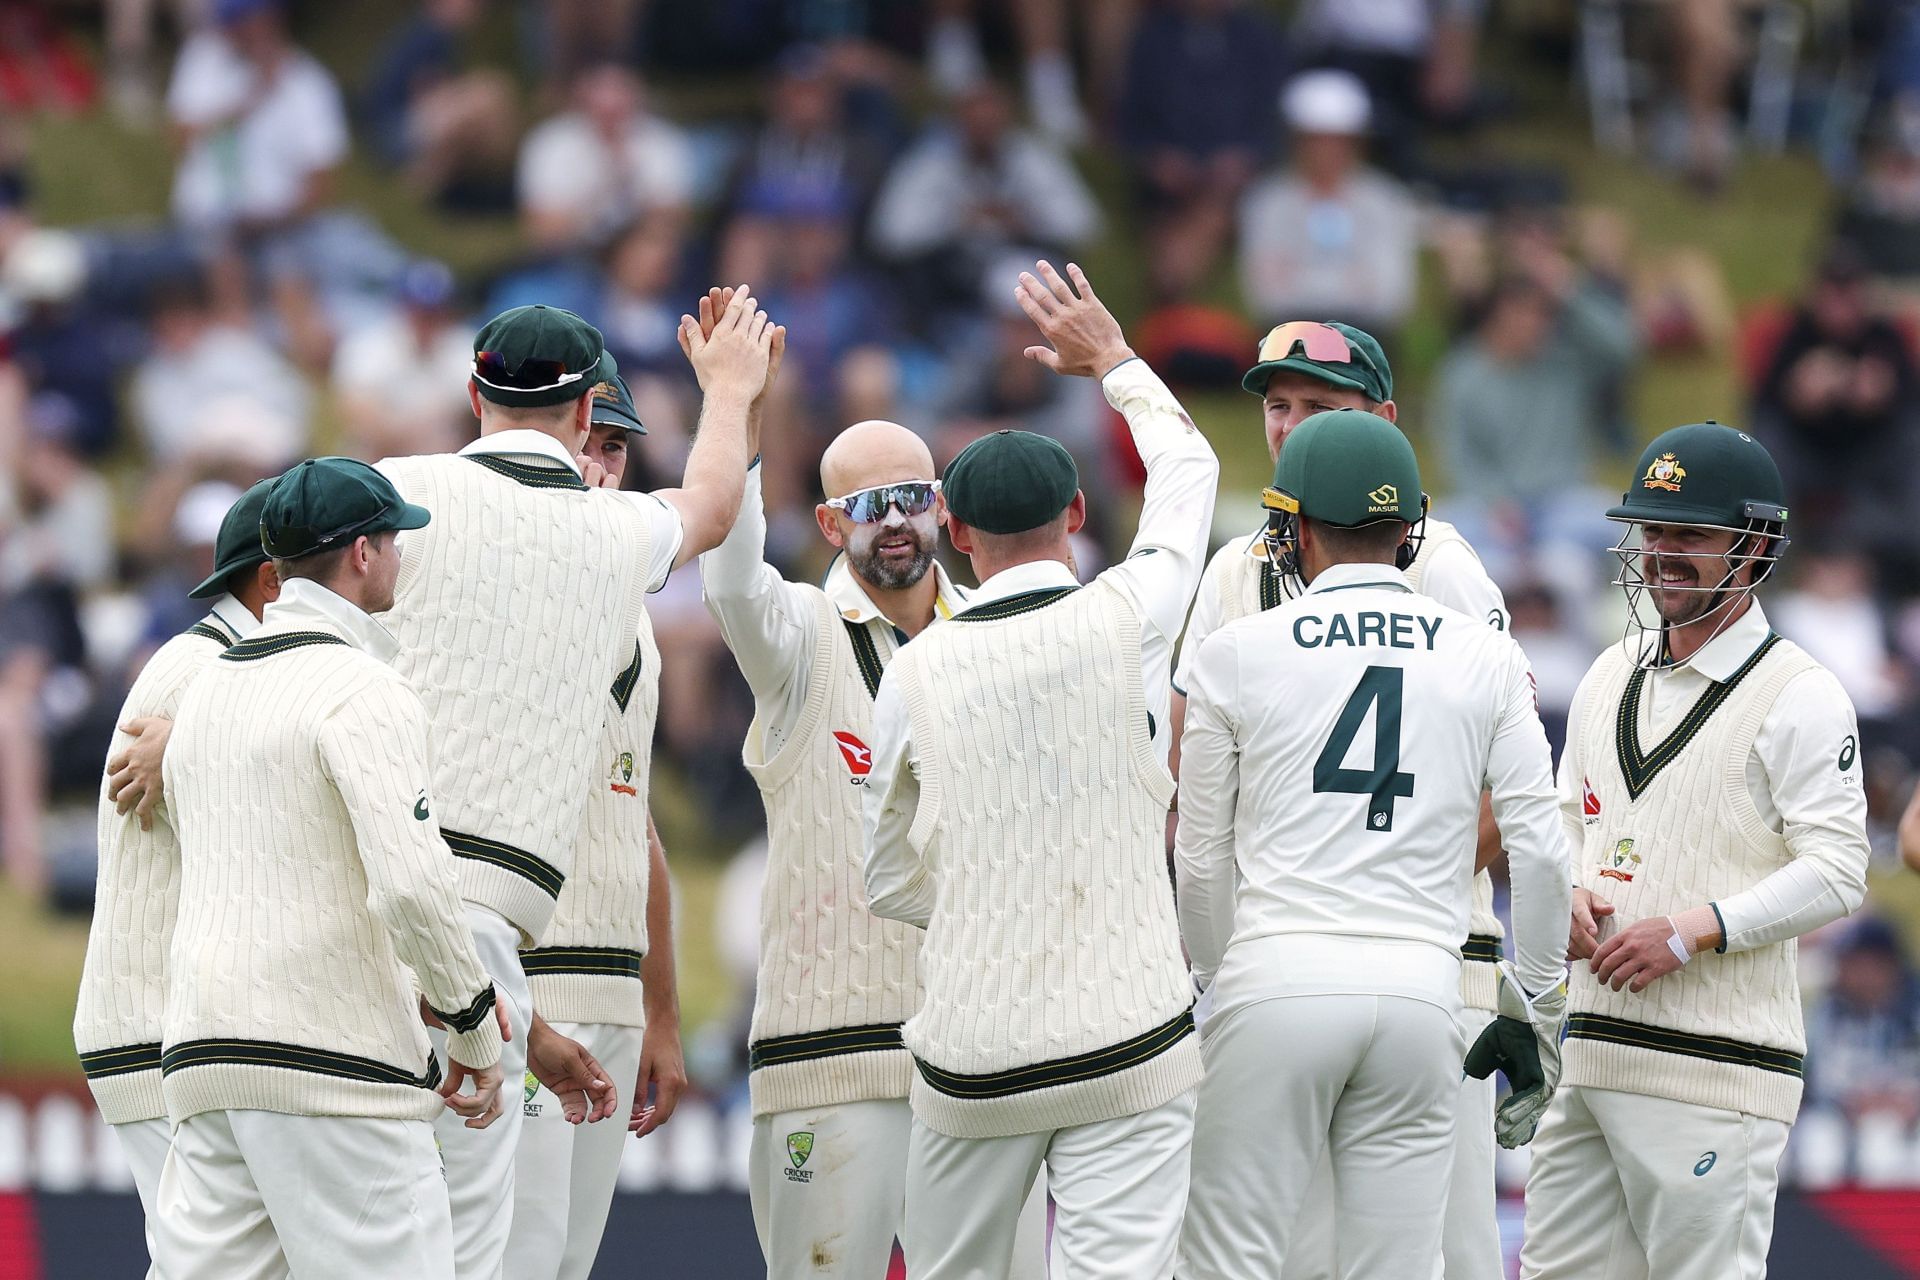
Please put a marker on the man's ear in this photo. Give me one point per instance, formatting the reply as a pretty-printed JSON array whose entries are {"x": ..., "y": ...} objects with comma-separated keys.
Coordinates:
[
  {"x": 473, "y": 396},
  {"x": 1077, "y": 511},
  {"x": 267, "y": 578},
  {"x": 1388, "y": 410},
  {"x": 829, "y": 527},
  {"x": 960, "y": 534}
]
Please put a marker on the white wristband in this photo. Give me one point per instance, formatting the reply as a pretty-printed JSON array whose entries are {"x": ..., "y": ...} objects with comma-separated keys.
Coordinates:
[{"x": 1677, "y": 944}]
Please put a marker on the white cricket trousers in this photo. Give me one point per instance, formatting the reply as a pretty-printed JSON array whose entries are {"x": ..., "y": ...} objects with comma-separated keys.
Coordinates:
[
  {"x": 256, "y": 1195},
  {"x": 145, "y": 1143},
  {"x": 564, "y": 1173},
  {"x": 1118, "y": 1189},
  {"x": 828, "y": 1205},
  {"x": 1374, "y": 1078},
  {"x": 480, "y": 1161},
  {"x": 1624, "y": 1186},
  {"x": 1470, "y": 1241}
]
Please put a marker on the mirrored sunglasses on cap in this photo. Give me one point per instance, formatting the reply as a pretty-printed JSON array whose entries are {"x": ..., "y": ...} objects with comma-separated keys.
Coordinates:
[
  {"x": 1320, "y": 342},
  {"x": 304, "y": 542},
  {"x": 870, "y": 506},
  {"x": 491, "y": 368}
]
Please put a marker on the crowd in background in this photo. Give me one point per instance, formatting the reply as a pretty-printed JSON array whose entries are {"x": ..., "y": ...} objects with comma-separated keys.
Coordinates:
[{"x": 878, "y": 171}]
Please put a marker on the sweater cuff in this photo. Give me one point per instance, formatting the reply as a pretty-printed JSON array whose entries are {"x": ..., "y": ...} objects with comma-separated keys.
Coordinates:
[
  {"x": 478, "y": 1010},
  {"x": 477, "y": 1049}
]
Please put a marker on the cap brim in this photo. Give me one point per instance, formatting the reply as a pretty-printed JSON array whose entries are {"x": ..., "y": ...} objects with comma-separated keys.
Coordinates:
[
  {"x": 608, "y": 414},
  {"x": 411, "y": 517},
  {"x": 1255, "y": 380},
  {"x": 1665, "y": 513},
  {"x": 216, "y": 583}
]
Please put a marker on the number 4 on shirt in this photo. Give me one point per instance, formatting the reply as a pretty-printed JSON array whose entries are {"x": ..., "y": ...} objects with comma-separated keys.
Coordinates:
[{"x": 1379, "y": 690}]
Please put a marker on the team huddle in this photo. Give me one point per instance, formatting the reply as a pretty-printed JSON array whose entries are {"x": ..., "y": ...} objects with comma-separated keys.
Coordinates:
[{"x": 375, "y": 849}]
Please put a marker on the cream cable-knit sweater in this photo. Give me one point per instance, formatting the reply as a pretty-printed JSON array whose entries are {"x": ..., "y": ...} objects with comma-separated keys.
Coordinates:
[{"x": 317, "y": 899}]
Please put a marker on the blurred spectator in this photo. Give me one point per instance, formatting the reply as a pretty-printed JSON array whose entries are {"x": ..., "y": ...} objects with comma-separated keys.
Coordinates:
[
  {"x": 60, "y": 344},
  {"x": 1881, "y": 214},
  {"x": 1520, "y": 410},
  {"x": 402, "y": 383},
  {"x": 129, "y": 50},
  {"x": 1837, "y": 406},
  {"x": 809, "y": 150},
  {"x": 839, "y": 321},
  {"x": 1706, "y": 46},
  {"x": 60, "y": 547},
  {"x": 1865, "y": 1032},
  {"x": 958, "y": 64},
  {"x": 974, "y": 192},
  {"x": 260, "y": 122},
  {"x": 449, "y": 126},
  {"x": 1328, "y": 237},
  {"x": 639, "y": 315},
  {"x": 587, "y": 172},
  {"x": 1416, "y": 58},
  {"x": 1831, "y": 612},
  {"x": 1196, "y": 117},
  {"x": 198, "y": 365}
]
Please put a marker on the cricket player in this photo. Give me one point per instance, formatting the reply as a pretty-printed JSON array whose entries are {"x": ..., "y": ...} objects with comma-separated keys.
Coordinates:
[
  {"x": 117, "y": 1024},
  {"x": 516, "y": 610},
  {"x": 604, "y": 973},
  {"x": 319, "y": 912},
  {"x": 1335, "y": 751},
  {"x": 1711, "y": 788},
  {"x": 1016, "y": 811},
  {"x": 1307, "y": 368},
  {"x": 828, "y": 1073}
]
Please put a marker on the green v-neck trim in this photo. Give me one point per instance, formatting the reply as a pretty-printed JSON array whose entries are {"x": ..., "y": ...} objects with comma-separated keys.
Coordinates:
[
  {"x": 533, "y": 475},
  {"x": 1015, "y": 605},
  {"x": 1638, "y": 768},
  {"x": 866, "y": 655}
]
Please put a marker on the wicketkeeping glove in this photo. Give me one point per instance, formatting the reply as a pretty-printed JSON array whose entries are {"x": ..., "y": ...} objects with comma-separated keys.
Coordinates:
[{"x": 1523, "y": 1042}]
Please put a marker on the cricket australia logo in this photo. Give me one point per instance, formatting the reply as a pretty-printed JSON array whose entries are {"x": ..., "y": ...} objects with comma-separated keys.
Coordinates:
[
  {"x": 1665, "y": 472},
  {"x": 799, "y": 1149},
  {"x": 1622, "y": 863},
  {"x": 620, "y": 777},
  {"x": 857, "y": 754},
  {"x": 531, "y": 1086}
]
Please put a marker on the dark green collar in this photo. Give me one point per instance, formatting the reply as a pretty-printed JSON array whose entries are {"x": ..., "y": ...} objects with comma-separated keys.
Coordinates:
[
  {"x": 268, "y": 646},
  {"x": 1015, "y": 605},
  {"x": 1639, "y": 768},
  {"x": 535, "y": 475}
]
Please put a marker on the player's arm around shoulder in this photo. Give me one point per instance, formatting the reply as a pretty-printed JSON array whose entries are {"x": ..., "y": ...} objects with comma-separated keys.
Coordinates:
[
  {"x": 898, "y": 883},
  {"x": 373, "y": 747}
]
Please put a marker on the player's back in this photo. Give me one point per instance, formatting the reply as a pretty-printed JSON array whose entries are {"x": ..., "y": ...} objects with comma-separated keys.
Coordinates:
[
  {"x": 1364, "y": 715},
  {"x": 515, "y": 610}
]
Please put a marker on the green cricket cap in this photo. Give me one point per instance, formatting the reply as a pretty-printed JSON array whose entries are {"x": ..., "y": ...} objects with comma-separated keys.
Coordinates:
[
  {"x": 613, "y": 406},
  {"x": 238, "y": 545},
  {"x": 539, "y": 355},
  {"x": 1295, "y": 345},
  {"x": 1704, "y": 473},
  {"x": 1010, "y": 481},
  {"x": 1347, "y": 467},
  {"x": 325, "y": 503}
]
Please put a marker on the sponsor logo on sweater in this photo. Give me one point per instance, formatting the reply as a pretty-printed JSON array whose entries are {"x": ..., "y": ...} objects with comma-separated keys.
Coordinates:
[
  {"x": 420, "y": 807},
  {"x": 620, "y": 777},
  {"x": 799, "y": 1150},
  {"x": 857, "y": 754},
  {"x": 1622, "y": 863},
  {"x": 1589, "y": 803}
]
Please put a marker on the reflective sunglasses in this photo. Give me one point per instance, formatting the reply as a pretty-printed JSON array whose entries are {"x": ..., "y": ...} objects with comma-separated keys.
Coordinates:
[
  {"x": 870, "y": 506},
  {"x": 1320, "y": 342},
  {"x": 491, "y": 368}
]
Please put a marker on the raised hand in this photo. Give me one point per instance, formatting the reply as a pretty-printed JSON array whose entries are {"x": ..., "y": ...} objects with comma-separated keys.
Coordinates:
[
  {"x": 732, "y": 358},
  {"x": 1087, "y": 341},
  {"x": 713, "y": 305}
]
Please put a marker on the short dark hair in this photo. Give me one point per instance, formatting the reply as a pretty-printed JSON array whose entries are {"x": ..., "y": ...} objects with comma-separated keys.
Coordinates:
[{"x": 1377, "y": 542}]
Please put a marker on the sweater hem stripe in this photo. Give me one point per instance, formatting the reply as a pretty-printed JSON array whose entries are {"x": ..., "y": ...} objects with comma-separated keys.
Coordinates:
[
  {"x": 607, "y": 962},
  {"x": 823, "y": 1044},
  {"x": 1482, "y": 947},
  {"x": 1593, "y": 1026},
  {"x": 1084, "y": 1066},
  {"x": 292, "y": 1057},
  {"x": 547, "y": 877},
  {"x": 102, "y": 1063}
]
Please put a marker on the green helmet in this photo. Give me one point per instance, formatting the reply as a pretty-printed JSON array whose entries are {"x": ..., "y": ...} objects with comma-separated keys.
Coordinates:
[
  {"x": 1706, "y": 474},
  {"x": 1345, "y": 467}
]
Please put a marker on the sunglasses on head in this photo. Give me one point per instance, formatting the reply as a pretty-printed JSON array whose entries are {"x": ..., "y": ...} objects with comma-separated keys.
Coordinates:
[
  {"x": 1319, "y": 342},
  {"x": 870, "y": 506},
  {"x": 322, "y": 542},
  {"x": 491, "y": 368}
]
